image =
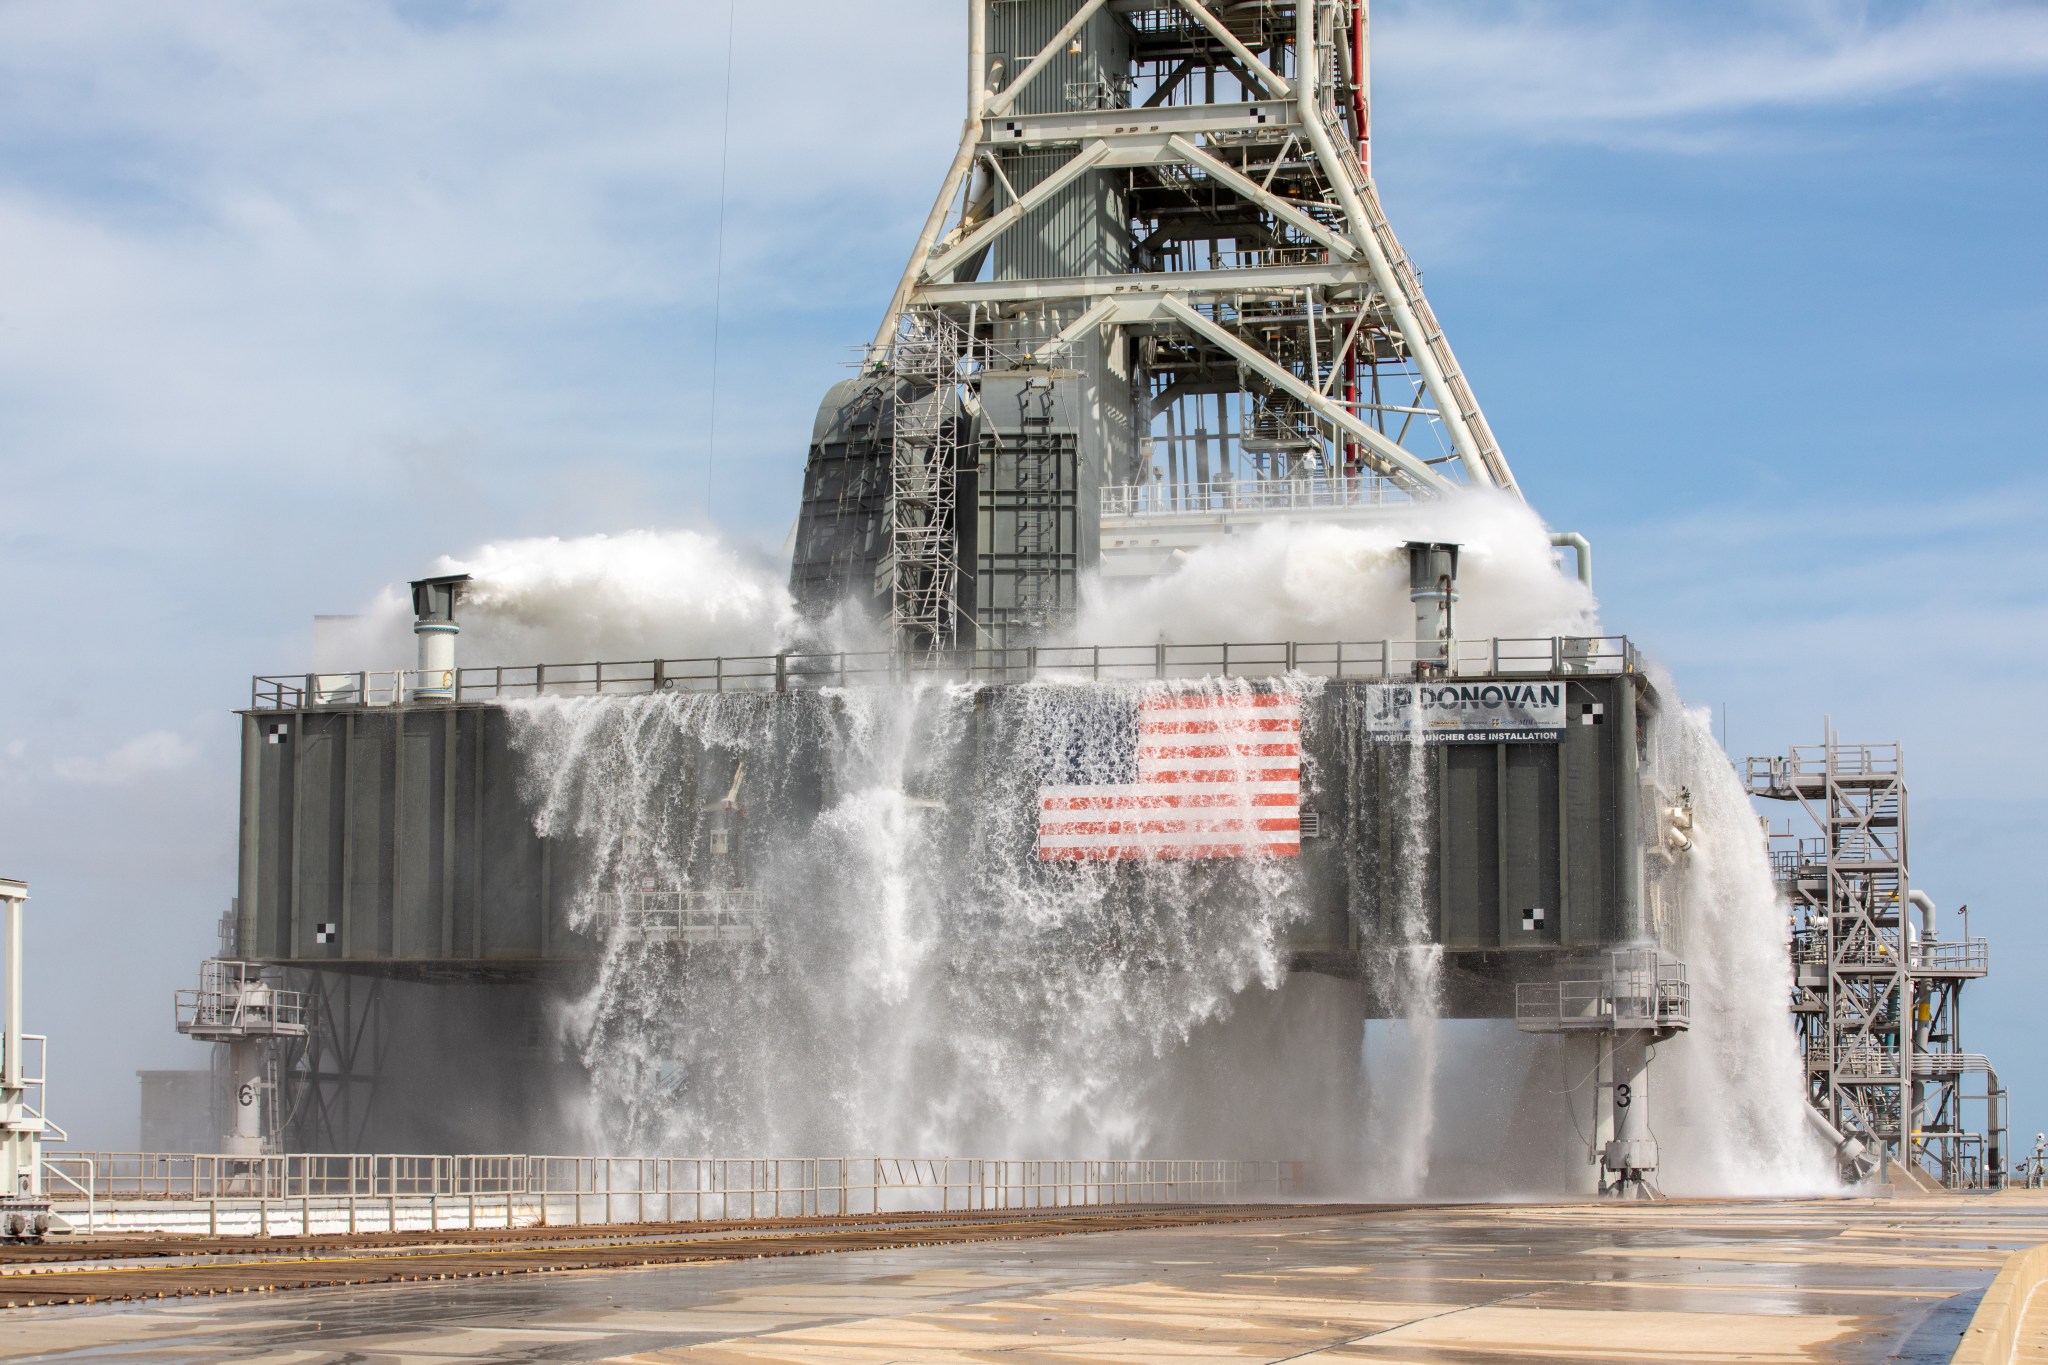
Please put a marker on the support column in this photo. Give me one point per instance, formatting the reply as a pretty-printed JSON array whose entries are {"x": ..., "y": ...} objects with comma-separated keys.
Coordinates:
[
  {"x": 1631, "y": 1156},
  {"x": 245, "y": 1070},
  {"x": 20, "y": 1154}
]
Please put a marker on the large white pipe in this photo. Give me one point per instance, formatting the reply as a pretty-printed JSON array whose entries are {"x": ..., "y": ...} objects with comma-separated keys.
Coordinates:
[
  {"x": 1924, "y": 903},
  {"x": 1582, "y": 552},
  {"x": 14, "y": 893}
]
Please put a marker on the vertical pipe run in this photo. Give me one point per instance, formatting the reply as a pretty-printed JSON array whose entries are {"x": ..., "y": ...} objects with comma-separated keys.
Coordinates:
[
  {"x": 14, "y": 893},
  {"x": 21, "y": 1165}
]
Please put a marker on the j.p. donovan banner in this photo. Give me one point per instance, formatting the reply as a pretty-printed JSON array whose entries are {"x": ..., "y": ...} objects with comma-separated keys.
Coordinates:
[{"x": 1455, "y": 712}]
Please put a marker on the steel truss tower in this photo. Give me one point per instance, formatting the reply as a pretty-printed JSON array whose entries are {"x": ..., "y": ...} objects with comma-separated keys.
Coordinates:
[
  {"x": 1165, "y": 262},
  {"x": 1877, "y": 998}
]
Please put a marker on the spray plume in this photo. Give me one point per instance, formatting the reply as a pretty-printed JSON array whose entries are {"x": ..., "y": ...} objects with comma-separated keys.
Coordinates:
[{"x": 927, "y": 987}]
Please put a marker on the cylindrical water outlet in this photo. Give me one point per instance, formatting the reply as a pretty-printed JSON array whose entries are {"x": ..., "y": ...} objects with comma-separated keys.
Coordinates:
[
  {"x": 433, "y": 610},
  {"x": 1433, "y": 588}
]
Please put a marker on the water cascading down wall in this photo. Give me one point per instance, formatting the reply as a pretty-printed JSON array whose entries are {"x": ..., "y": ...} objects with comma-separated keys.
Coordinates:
[{"x": 819, "y": 919}]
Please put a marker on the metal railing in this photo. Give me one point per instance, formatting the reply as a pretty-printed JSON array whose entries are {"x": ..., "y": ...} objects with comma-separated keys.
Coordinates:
[
  {"x": 1964, "y": 957},
  {"x": 1949, "y": 1063},
  {"x": 233, "y": 999},
  {"x": 33, "y": 1075},
  {"x": 1809, "y": 763},
  {"x": 1637, "y": 990},
  {"x": 1360, "y": 661},
  {"x": 668, "y": 1189},
  {"x": 681, "y": 916},
  {"x": 1311, "y": 493}
]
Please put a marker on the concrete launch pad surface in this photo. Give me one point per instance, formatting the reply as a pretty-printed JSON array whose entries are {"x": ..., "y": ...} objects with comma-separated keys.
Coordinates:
[{"x": 1808, "y": 1280}]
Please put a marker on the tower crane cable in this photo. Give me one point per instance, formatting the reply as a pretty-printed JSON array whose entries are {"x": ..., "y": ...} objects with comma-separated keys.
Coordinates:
[{"x": 718, "y": 261}]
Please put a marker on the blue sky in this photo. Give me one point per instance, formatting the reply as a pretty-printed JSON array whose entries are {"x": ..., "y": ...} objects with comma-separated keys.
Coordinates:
[{"x": 294, "y": 299}]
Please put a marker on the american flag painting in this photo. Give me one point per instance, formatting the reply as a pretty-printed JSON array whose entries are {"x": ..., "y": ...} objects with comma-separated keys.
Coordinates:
[{"x": 1216, "y": 775}]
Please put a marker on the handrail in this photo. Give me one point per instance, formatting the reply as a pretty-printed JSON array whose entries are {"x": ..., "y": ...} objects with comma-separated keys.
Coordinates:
[
  {"x": 791, "y": 671},
  {"x": 1311, "y": 493},
  {"x": 53, "y": 1171},
  {"x": 701, "y": 1186}
]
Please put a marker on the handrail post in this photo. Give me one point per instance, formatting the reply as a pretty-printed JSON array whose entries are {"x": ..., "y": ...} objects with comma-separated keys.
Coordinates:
[
  {"x": 1159, "y": 660},
  {"x": 782, "y": 673}
]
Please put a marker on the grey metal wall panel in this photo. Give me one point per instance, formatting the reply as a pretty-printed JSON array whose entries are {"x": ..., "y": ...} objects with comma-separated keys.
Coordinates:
[
  {"x": 1469, "y": 836},
  {"x": 321, "y": 827},
  {"x": 516, "y": 898},
  {"x": 1085, "y": 228},
  {"x": 447, "y": 856},
  {"x": 373, "y": 813},
  {"x": 416, "y": 899},
  {"x": 1530, "y": 843}
]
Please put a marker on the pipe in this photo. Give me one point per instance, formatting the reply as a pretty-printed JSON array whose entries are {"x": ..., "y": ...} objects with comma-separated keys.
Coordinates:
[
  {"x": 1361, "y": 70},
  {"x": 1848, "y": 1151},
  {"x": 1925, "y": 904},
  {"x": 14, "y": 893},
  {"x": 1582, "y": 551}
]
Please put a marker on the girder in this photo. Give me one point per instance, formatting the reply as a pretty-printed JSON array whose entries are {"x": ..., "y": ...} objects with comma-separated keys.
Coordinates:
[{"x": 1227, "y": 166}]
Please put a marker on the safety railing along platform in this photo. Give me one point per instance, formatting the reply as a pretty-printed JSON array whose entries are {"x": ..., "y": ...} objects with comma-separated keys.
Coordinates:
[
  {"x": 327, "y": 1193},
  {"x": 1350, "y": 661},
  {"x": 1313, "y": 493}
]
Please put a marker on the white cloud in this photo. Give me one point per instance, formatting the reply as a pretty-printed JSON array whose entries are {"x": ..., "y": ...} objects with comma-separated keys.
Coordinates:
[
  {"x": 1630, "y": 71},
  {"x": 287, "y": 239},
  {"x": 146, "y": 755}
]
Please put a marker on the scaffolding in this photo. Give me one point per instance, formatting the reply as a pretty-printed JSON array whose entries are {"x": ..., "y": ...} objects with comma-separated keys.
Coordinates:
[
  {"x": 1162, "y": 210},
  {"x": 922, "y": 568},
  {"x": 1878, "y": 999}
]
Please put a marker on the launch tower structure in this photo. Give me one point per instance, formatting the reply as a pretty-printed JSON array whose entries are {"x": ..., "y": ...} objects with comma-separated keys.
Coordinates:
[
  {"x": 1878, "y": 998},
  {"x": 1157, "y": 280}
]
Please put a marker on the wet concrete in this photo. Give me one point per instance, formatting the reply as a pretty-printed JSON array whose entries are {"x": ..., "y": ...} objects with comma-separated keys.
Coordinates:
[{"x": 1847, "y": 1281}]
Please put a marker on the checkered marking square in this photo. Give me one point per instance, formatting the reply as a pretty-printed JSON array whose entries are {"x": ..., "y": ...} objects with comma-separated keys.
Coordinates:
[
  {"x": 1593, "y": 713},
  {"x": 1534, "y": 918},
  {"x": 327, "y": 932},
  {"x": 277, "y": 732}
]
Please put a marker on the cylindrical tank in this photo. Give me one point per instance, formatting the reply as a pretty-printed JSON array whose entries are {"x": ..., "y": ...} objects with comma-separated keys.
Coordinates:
[
  {"x": 433, "y": 607},
  {"x": 1433, "y": 588}
]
